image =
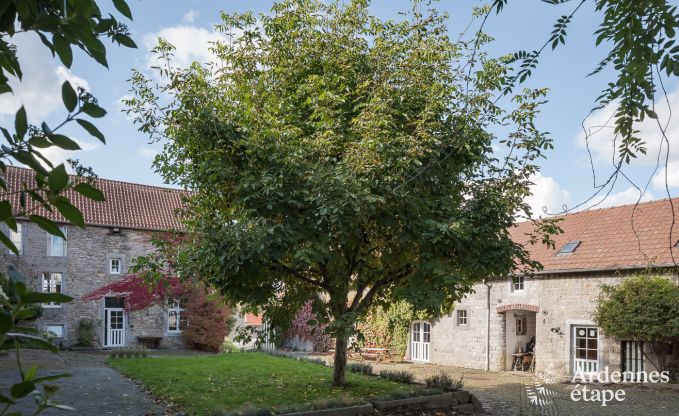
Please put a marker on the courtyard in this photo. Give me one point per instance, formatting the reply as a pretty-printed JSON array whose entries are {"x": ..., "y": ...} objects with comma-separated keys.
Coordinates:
[{"x": 97, "y": 388}]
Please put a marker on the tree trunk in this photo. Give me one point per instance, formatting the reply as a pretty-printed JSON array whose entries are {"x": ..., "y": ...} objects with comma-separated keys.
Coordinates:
[{"x": 338, "y": 375}]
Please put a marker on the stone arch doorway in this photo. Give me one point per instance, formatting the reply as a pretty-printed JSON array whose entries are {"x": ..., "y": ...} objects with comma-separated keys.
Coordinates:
[{"x": 520, "y": 332}]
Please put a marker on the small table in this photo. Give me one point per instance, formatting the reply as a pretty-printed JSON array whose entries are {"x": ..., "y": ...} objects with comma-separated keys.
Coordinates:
[
  {"x": 518, "y": 360},
  {"x": 378, "y": 354}
]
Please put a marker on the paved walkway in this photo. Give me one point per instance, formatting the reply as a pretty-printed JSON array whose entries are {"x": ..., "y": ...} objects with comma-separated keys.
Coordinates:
[
  {"x": 93, "y": 389},
  {"x": 523, "y": 394}
]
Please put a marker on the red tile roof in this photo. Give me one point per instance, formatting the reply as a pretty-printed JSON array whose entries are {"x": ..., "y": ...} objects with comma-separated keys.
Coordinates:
[
  {"x": 611, "y": 238},
  {"x": 127, "y": 205},
  {"x": 254, "y": 320}
]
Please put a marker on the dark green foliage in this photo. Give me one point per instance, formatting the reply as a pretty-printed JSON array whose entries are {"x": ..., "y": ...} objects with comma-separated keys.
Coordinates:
[
  {"x": 444, "y": 382},
  {"x": 642, "y": 308},
  {"x": 360, "y": 368},
  {"x": 398, "y": 376}
]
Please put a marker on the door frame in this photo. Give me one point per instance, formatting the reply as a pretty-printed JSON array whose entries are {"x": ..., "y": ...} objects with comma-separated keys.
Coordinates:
[
  {"x": 107, "y": 317},
  {"x": 425, "y": 345},
  {"x": 572, "y": 350}
]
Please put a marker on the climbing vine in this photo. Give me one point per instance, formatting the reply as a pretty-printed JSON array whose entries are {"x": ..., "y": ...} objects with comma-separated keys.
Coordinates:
[{"x": 388, "y": 327}]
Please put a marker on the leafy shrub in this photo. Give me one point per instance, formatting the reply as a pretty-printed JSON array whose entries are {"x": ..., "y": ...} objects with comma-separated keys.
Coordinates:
[
  {"x": 360, "y": 368},
  {"x": 644, "y": 308},
  {"x": 388, "y": 327},
  {"x": 208, "y": 316},
  {"x": 398, "y": 376},
  {"x": 228, "y": 346},
  {"x": 85, "y": 332},
  {"x": 444, "y": 382}
]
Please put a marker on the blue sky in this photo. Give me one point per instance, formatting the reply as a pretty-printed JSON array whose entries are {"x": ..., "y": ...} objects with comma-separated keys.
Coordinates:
[{"x": 565, "y": 179}]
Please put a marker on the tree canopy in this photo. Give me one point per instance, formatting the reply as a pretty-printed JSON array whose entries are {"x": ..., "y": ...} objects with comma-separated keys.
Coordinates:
[{"x": 304, "y": 142}]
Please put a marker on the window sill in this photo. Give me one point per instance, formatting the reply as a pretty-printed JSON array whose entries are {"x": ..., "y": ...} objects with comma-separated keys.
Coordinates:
[{"x": 52, "y": 306}]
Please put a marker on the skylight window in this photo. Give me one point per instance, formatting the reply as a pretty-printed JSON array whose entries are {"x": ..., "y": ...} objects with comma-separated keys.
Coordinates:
[{"x": 569, "y": 247}]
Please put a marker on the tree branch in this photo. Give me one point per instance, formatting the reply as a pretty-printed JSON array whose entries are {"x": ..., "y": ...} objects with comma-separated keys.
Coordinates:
[
  {"x": 298, "y": 274},
  {"x": 359, "y": 306}
]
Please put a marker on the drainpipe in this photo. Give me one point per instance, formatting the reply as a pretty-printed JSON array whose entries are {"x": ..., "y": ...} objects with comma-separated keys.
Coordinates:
[{"x": 487, "y": 325}]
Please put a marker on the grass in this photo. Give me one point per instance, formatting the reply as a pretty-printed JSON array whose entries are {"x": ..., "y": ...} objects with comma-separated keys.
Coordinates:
[{"x": 223, "y": 383}]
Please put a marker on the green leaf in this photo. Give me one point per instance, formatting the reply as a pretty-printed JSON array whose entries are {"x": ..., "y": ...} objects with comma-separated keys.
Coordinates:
[
  {"x": 69, "y": 97},
  {"x": 63, "y": 142},
  {"x": 5, "y": 210},
  {"x": 125, "y": 41},
  {"x": 5, "y": 321},
  {"x": 93, "y": 110},
  {"x": 40, "y": 297},
  {"x": 40, "y": 142},
  {"x": 58, "y": 179},
  {"x": 8, "y": 243},
  {"x": 31, "y": 373},
  {"x": 34, "y": 339},
  {"x": 89, "y": 191},
  {"x": 51, "y": 378},
  {"x": 5, "y": 399},
  {"x": 63, "y": 49},
  {"x": 21, "y": 123},
  {"x": 69, "y": 211},
  {"x": 91, "y": 129},
  {"x": 123, "y": 8},
  {"x": 22, "y": 389},
  {"x": 47, "y": 225}
]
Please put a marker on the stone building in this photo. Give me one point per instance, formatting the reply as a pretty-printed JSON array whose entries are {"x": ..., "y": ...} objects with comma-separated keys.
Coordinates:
[
  {"x": 118, "y": 230},
  {"x": 492, "y": 327}
]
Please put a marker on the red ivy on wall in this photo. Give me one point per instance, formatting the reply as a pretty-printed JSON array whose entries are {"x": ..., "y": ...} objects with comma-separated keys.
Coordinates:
[{"x": 139, "y": 294}]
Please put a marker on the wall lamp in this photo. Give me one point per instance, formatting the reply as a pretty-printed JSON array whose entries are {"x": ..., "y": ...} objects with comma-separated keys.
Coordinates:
[{"x": 557, "y": 331}]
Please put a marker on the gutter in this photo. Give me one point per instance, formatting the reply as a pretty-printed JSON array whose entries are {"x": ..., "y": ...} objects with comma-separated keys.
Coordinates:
[{"x": 488, "y": 285}]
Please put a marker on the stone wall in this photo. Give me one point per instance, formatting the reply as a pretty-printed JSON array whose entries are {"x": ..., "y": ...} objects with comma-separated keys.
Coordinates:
[
  {"x": 554, "y": 303},
  {"x": 84, "y": 268}
]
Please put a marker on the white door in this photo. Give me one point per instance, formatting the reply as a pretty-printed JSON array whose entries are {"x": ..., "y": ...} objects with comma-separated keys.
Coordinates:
[
  {"x": 115, "y": 327},
  {"x": 421, "y": 338},
  {"x": 585, "y": 349}
]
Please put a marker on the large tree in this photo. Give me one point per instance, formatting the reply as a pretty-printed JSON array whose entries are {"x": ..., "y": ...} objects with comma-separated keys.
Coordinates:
[{"x": 305, "y": 143}]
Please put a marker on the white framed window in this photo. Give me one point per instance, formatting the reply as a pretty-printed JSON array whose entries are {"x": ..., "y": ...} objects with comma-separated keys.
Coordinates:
[
  {"x": 518, "y": 284},
  {"x": 461, "y": 317},
  {"x": 176, "y": 319},
  {"x": 55, "y": 330},
  {"x": 51, "y": 283},
  {"x": 521, "y": 325},
  {"x": 16, "y": 237},
  {"x": 58, "y": 244},
  {"x": 114, "y": 266}
]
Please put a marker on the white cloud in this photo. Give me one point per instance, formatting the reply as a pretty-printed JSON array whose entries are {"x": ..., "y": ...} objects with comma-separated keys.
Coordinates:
[
  {"x": 625, "y": 197},
  {"x": 147, "y": 152},
  {"x": 191, "y": 44},
  {"x": 57, "y": 155},
  {"x": 600, "y": 126},
  {"x": 40, "y": 88},
  {"x": 191, "y": 16},
  {"x": 547, "y": 194}
]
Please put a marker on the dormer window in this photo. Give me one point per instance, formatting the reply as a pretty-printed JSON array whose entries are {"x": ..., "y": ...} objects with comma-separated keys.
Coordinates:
[{"x": 569, "y": 247}]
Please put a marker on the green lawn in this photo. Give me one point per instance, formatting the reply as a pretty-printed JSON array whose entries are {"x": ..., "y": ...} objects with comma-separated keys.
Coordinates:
[{"x": 221, "y": 383}]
